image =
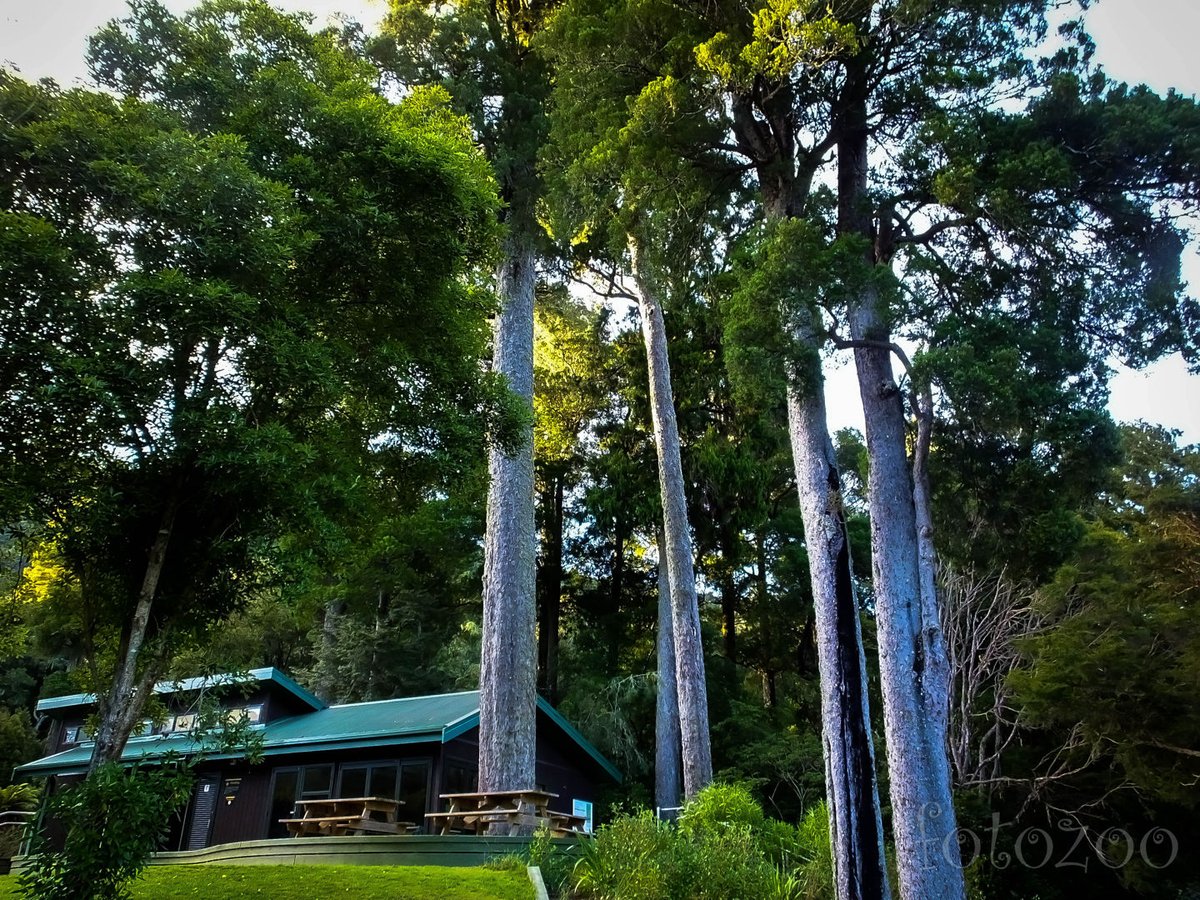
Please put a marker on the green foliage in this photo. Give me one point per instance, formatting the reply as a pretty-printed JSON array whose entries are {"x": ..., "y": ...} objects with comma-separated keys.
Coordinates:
[
  {"x": 21, "y": 798},
  {"x": 1123, "y": 657},
  {"x": 554, "y": 860},
  {"x": 778, "y": 751},
  {"x": 786, "y": 35},
  {"x": 1104, "y": 688},
  {"x": 631, "y": 857},
  {"x": 479, "y": 53},
  {"x": 19, "y": 742},
  {"x": 306, "y": 882},
  {"x": 815, "y": 854},
  {"x": 570, "y": 361},
  {"x": 718, "y": 809},
  {"x": 212, "y": 285},
  {"x": 114, "y": 819},
  {"x": 787, "y": 273},
  {"x": 723, "y": 848}
]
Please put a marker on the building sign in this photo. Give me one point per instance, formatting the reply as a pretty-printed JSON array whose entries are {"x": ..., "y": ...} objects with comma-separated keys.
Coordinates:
[{"x": 583, "y": 808}]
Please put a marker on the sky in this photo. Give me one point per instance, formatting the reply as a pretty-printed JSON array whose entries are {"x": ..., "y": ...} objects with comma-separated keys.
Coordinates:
[{"x": 1138, "y": 41}]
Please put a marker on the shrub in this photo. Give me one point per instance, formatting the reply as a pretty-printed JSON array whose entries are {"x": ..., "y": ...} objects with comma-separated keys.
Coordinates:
[
  {"x": 724, "y": 848},
  {"x": 632, "y": 858},
  {"x": 730, "y": 865},
  {"x": 554, "y": 860},
  {"x": 814, "y": 863},
  {"x": 718, "y": 808},
  {"x": 18, "y": 742},
  {"x": 15, "y": 797},
  {"x": 23, "y": 797},
  {"x": 113, "y": 820}
]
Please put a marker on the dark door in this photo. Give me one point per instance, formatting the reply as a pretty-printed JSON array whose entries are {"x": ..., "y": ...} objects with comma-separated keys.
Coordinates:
[{"x": 204, "y": 805}]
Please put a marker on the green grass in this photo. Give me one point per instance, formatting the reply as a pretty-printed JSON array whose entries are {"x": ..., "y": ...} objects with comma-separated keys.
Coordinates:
[{"x": 317, "y": 882}]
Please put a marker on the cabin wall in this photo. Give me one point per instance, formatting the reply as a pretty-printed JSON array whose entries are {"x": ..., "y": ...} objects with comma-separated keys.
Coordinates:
[
  {"x": 563, "y": 770},
  {"x": 248, "y": 816}
]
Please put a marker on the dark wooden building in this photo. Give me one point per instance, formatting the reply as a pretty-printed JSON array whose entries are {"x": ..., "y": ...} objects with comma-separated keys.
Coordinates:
[{"x": 410, "y": 749}]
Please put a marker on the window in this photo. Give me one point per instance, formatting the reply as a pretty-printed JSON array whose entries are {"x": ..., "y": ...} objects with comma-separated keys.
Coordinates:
[
  {"x": 406, "y": 780},
  {"x": 284, "y": 793},
  {"x": 247, "y": 714},
  {"x": 368, "y": 780},
  {"x": 459, "y": 778},
  {"x": 414, "y": 789},
  {"x": 73, "y": 734},
  {"x": 317, "y": 782},
  {"x": 292, "y": 784},
  {"x": 144, "y": 729},
  {"x": 184, "y": 722}
]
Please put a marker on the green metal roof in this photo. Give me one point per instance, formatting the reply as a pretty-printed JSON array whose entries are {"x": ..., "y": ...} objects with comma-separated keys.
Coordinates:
[
  {"x": 380, "y": 720},
  {"x": 436, "y": 718},
  {"x": 269, "y": 674}
]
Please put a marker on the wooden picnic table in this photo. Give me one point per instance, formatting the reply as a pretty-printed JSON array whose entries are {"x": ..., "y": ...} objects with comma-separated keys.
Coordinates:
[
  {"x": 514, "y": 811},
  {"x": 347, "y": 815}
]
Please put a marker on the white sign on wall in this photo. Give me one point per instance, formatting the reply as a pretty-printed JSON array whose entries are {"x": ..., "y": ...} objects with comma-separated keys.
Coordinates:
[{"x": 583, "y": 808}]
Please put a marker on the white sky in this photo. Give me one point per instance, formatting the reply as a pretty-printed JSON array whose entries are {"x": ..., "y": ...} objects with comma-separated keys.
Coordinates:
[{"x": 1148, "y": 41}]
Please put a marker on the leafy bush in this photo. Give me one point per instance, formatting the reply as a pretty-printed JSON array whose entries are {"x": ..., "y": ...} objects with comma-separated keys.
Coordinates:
[
  {"x": 23, "y": 797},
  {"x": 632, "y": 857},
  {"x": 719, "y": 808},
  {"x": 814, "y": 863},
  {"x": 554, "y": 860},
  {"x": 20, "y": 798},
  {"x": 113, "y": 820},
  {"x": 724, "y": 848},
  {"x": 18, "y": 742}
]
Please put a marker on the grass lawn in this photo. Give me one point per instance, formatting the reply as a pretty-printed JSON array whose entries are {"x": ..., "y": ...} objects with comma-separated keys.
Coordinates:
[{"x": 316, "y": 882}]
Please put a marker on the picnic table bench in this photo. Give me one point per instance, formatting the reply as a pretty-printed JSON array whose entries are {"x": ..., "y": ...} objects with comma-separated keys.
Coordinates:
[
  {"x": 347, "y": 815},
  {"x": 563, "y": 824},
  {"x": 514, "y": 811}
]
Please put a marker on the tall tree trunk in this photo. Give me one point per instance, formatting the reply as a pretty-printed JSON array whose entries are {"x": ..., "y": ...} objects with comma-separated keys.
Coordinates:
[
  {"x": 123, "y": 705},
  {"x": 685, "y": 611},
  {"x": 550, "y": 589},
  {"x": 912, "y": 653},
  {"x": 326, "y": 687},
  {"x": 851, "y": 786},
  {"x": 855, "y": 822},
  {"x": 382, "y": 605},
  {"x": 923, "y": 506},
  {"x": 666, "y": 713},
  {"x": 508, "y": 669}
]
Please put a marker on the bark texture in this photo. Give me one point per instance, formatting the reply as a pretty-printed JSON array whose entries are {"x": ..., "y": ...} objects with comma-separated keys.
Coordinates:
[
  {"x": 123, "y": 705},
  {"x": 855, "y": 823},
  {"x": 666, "y": 713},
  {"x": 685, "y": 612},
  {"x": 326, "y": 686},
  {"x": 508, "y": 669},
  {"x": 912, "y": 655},
  {"x": 852, "y": 789}
]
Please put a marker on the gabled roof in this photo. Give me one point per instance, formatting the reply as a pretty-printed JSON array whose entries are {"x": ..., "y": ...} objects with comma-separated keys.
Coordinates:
[
  {"x": 267, "y": 675},
  {"x": 437, "y": 718}
]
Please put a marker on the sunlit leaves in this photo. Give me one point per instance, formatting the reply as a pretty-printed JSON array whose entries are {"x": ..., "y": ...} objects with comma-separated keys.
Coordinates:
[{"x": 785, "y": 35}]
